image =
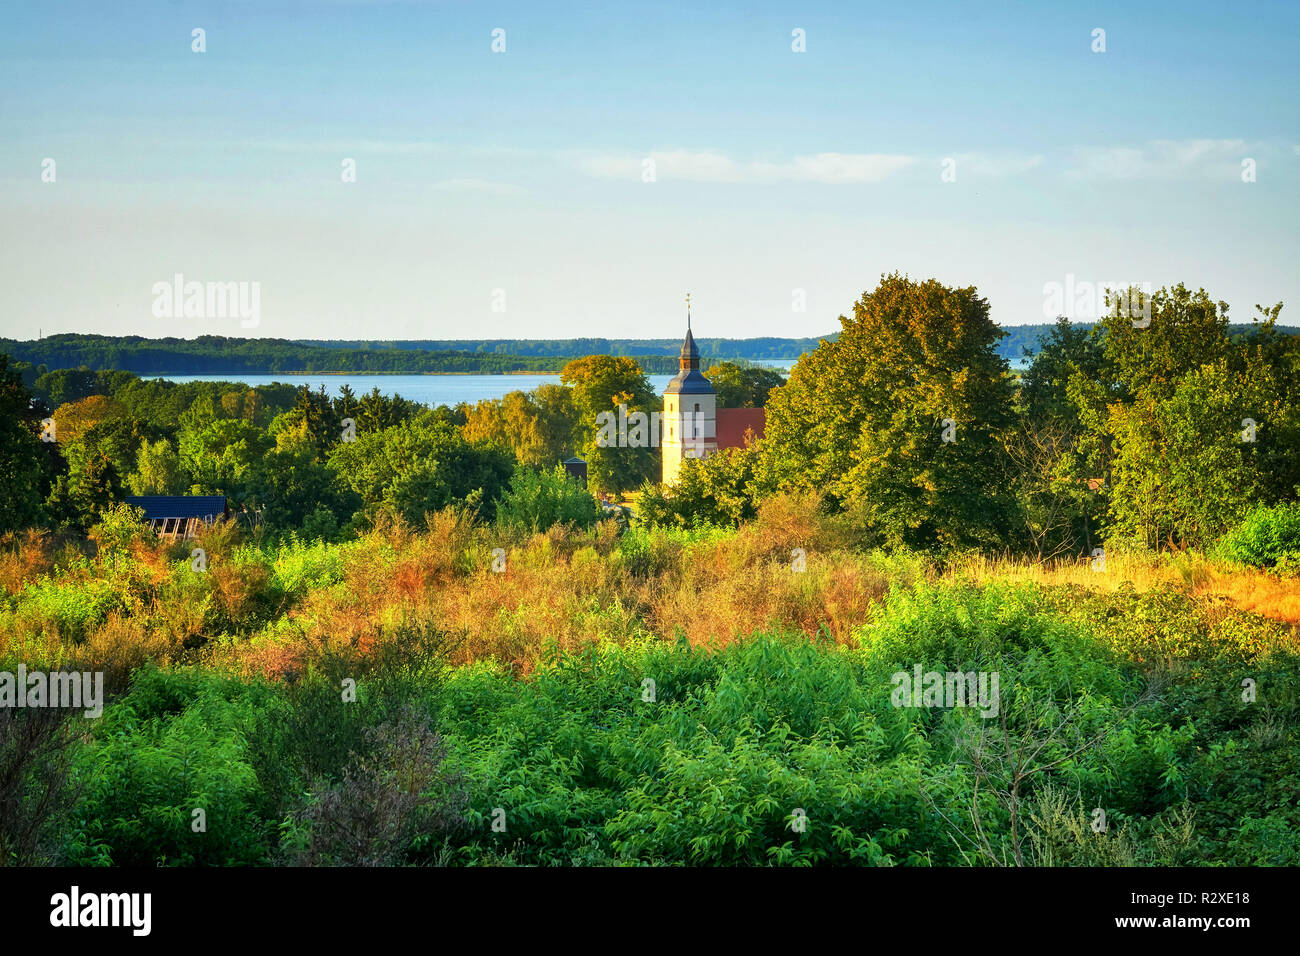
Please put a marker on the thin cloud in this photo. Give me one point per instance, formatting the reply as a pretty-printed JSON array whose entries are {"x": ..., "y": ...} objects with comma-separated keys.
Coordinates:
[
  {"x": 1160, "y": 159},
  {"x": 996, "y": 165},
  {"x": 708, "y": 166}
]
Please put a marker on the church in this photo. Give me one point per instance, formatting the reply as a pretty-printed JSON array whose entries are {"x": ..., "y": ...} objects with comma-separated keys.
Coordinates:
[{"x": 693, "y": 425}]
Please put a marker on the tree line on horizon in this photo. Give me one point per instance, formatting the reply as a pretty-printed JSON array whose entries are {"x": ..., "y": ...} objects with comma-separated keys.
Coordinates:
[
  {"x": 219, "y": 355},
  {"x": 910, "y": 422}
]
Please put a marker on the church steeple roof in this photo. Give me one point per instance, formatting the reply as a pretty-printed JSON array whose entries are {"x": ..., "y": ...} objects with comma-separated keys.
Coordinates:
[
  {"x": 688, "y": 380},
  {"x": 690, "y": 354}
]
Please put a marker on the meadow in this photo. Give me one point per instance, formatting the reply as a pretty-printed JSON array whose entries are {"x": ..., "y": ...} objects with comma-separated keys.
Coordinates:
[{"x": 644, "y": 696}]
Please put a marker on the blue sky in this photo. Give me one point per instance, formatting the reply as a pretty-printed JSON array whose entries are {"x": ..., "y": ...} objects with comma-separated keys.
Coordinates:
[{"x": 521, "y": 171}]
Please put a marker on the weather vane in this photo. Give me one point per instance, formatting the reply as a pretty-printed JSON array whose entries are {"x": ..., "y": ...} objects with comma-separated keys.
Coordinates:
[{"x": 688, "y": 311}]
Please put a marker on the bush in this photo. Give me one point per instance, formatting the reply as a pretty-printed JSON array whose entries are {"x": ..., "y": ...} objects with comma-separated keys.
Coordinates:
[
  {"x": 175, "y": 745},
  {"x": 391, "y": 791},
  {"x": 536, "y": 500},
  {"x": 36, "y": 747},
  {"x": 1269, "y": 537},
  {"x": 73, "y": 608}
]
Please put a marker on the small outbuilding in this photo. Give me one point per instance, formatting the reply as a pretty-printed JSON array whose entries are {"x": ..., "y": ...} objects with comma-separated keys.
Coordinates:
[
  {"x": 576, "y": 468},
  {"x": 180, "y": 516}
]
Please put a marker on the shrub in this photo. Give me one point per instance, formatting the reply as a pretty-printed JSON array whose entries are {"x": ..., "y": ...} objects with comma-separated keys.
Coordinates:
[
  {"x": 536, "y": 500},
  {"x": 175, "y": 745},
  {"x": 1269, "y": 537},
  {"x": 392, "y": 790},
  {"x": 72, "y": 608},
  {"x": 36, "y": 792}
]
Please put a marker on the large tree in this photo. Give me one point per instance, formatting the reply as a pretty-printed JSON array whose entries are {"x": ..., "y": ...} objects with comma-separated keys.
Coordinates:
[
  {"x": 537, "y": 427},
  {"x": 1193, "y": 425},
  {"x": 902, "y": 418},
  {"x": 601, "y": 383},
  {"x": 420, "y": 466}
]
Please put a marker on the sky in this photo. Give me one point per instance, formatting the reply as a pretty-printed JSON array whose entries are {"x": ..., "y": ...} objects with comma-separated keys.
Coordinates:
[{"x": 508, "y": 193}]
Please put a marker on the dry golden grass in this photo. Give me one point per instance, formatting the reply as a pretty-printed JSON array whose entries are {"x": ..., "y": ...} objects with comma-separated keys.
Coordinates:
[
  {"x": 24, "y": 557},
  {"x": 561, "y": 590},
  {"x": 1269, "y": 595},
  {"x": 1140, "y": 571}
]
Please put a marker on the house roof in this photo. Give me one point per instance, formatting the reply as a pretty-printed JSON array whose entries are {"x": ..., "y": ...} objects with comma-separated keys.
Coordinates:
[
  {"x": 179, "y": 506},
  {"x": 732, "y": 423}
]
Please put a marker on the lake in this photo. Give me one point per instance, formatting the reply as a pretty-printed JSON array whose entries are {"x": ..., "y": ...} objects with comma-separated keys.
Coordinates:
[
  {"x": 426, "y": 389},
  {"x": 437, "y": 389}
]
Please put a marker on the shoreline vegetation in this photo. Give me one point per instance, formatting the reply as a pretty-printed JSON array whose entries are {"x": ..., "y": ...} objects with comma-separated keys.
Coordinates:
[{"x": 220, "y": 355}]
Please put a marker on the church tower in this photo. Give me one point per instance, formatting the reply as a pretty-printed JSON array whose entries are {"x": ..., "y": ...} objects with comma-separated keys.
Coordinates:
[{"x": 690, "y": 420}]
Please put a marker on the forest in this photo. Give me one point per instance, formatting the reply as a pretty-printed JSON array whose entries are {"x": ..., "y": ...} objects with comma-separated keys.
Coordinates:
[
  {"x": 218, "y": 355},
  {"x": 418, "y": 642}
]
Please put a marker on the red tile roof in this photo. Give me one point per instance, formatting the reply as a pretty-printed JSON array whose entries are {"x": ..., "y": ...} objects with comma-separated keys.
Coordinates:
[{"x": 734, "y": 422}]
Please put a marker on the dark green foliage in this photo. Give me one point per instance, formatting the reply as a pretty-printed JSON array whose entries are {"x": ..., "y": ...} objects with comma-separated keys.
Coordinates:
[
  {"x": 176, "y": 744},
  {"x": 75, "y": 355},
  {"x": 739, "y": 386},
  {"x": 36, "y": 792},
  {"x": 24, "y": 466}
]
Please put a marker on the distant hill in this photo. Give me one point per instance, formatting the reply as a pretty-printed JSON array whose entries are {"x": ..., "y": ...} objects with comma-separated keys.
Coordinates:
[
  {"x": 218, "y": 355},
  {"x": 757, "y": 348}
]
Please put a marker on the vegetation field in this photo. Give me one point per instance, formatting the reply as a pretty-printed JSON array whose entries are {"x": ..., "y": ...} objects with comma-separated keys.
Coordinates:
[
  {"x": 939, "y": 615},
  {"x": 659, "y": 697}
]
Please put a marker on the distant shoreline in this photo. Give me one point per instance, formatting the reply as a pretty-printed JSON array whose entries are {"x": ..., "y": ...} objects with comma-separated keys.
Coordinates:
[
  {"x": 249, "y": 371},
  {"x": 358, "y": 374}
]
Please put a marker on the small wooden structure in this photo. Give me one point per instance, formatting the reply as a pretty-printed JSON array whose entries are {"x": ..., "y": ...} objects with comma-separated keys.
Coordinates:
[
  {"x": 180, "y": 517},
  {"x": 576, "y": 469}
]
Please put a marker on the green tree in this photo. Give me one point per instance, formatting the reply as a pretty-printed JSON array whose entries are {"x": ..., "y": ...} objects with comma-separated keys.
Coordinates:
[
  {"x": 1190, "y": 466},
  {"x": 537, "y": 499},
  {"x": 22, "y": 474},
  {"x": 1196, "y": 425},
  {"x": 601, "y": 383},
  {"x": 225, "y": 457},
  {"x": 1185, "y": 330},
  {"x": 420, "y": 466},
  {"x": 739, "y": 386},
  {"x": 718, "y": 490},
  {"x": 291, "y": 484},
  {"x": 537, "y": 427},
  {"x": 157, "y": 470},
  {"x": 91, "y": 486},
  {"x": 1056, "y": 459},
  {"x": 902, "y": 418},
  {"x": 376, "y": 411}
]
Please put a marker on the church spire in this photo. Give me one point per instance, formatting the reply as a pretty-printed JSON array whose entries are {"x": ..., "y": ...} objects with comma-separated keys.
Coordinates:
[{"x": 690, "y": 355}]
